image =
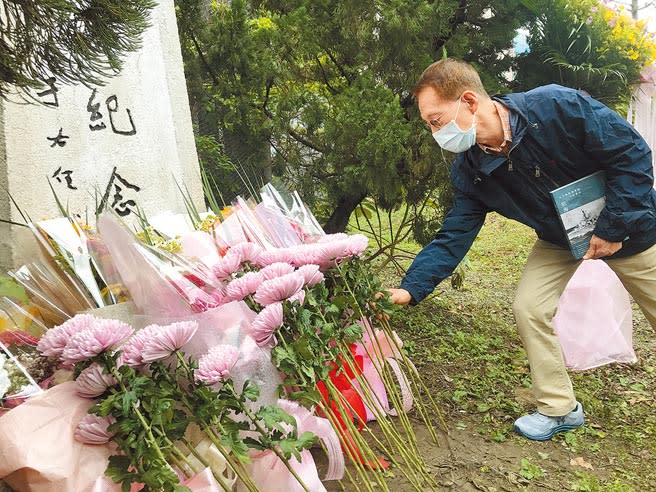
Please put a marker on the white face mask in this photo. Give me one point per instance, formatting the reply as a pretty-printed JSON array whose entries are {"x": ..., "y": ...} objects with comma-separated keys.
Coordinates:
[{"x": 450, "y": 137}]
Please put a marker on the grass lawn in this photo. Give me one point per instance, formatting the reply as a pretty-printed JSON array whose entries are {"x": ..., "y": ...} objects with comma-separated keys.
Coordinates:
[{"x": 465, "y": 345}]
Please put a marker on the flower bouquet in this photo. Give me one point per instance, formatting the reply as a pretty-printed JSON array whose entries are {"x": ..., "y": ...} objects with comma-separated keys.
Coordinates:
[
  {"x": 256, "y": 338},
  {"x": 23, "y": 370}
]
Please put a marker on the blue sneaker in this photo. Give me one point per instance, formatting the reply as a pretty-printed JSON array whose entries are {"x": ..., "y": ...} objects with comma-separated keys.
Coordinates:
[{"x": 539, "y": 427}]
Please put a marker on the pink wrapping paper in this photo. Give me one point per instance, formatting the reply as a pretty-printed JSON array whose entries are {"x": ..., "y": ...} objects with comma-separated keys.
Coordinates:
[
  {"x": 271, "y": 475},
  {"x": 375, "y": 343},
  {"x": 198, "y": 244},
  {"x": 320, "y": 427},
  {"x": 203, "y": 482},
  {"x": 147, "y": 289},
  {"x": 37, "y": 450}
]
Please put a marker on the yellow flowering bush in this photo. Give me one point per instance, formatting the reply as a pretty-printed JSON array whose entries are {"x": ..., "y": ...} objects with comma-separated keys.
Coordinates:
[
  {"x": 626, "y": 37},
  {"x": 587, "y": 45}
]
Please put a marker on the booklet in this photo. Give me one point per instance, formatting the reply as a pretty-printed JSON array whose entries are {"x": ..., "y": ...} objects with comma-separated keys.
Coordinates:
[{"x": 578, "y": 205}]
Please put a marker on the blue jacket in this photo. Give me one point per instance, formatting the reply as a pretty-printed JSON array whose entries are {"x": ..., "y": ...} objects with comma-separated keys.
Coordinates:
[{"x": 558, "y": 136}]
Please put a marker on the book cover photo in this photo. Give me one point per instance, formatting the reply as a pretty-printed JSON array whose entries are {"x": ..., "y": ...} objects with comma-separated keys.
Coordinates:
[{"x": 578, "y": 205}]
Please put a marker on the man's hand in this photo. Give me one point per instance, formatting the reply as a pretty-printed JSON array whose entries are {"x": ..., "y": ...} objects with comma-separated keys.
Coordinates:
[
  {"x": 400, "y": 296},
  {"x": 599, "y": 248}
]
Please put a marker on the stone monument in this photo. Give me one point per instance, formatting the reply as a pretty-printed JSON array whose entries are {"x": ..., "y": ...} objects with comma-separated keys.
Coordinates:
[{"x": 120, "y": 145}]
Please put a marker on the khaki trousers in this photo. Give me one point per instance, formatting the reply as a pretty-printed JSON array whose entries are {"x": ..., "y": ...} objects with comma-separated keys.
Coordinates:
[{"x": 545, "y": 276}]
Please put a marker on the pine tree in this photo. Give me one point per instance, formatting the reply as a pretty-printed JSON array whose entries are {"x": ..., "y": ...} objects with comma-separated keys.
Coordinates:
[
  {"x": 76, "y": 41},
  {"x": 326, "y": 85}
]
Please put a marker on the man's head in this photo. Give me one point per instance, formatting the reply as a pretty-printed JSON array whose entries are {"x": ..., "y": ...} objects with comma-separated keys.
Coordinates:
[
  {"x": 449, "y": 90},
  {"x": 450, "y": 78}
]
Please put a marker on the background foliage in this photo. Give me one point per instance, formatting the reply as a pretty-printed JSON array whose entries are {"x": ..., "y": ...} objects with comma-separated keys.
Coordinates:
[
  {"x": 587, "y": 45},
  {"x": 318, "y": 92},
  {"x": 326, "y": 85}
]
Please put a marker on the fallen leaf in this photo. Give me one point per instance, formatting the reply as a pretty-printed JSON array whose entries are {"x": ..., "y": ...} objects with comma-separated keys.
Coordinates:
[{"x": 579, "y": 461}]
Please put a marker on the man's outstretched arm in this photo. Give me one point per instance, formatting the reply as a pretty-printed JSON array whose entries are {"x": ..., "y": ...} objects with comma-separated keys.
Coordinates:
[{"x": 437, "y": 260}]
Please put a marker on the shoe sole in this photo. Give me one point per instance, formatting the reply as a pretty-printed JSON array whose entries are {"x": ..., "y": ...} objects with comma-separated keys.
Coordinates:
[{"x": 546, "y": 437}]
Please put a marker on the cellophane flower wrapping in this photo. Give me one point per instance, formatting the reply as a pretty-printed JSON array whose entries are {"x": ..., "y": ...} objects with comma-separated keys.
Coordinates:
[
  {"x": 23, "y": 370},
  {"x": 219, "y": 284}
]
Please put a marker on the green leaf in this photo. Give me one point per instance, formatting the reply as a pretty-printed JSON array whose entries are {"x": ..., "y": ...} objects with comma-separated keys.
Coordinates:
[
  {"x": 273, "y": 417},
  {"x": 127, "y": 400},
  {"x": 118, "y": 469},
  {"x": 307, "y": 440},
  {"x": 250, "y": 391}
]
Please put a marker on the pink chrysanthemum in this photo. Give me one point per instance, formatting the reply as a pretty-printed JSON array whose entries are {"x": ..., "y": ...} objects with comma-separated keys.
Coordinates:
[
  {"x": 331, "y": 251},
  {"x": 311, "y": 274},
  {"x": 132, "y": 349},
  {"x": 167, "y": 339},
  {"x": 215, "y": 366},
  {"x": 279, "y": 288},
  {"x": 277, "y": 269},
  {"x": 266, "y": 323},
  {"x": 52, "y": 344},
  {"x": 356, "y": 244},
  {"x": 249, "y": 251},
  {"x": 273, "y": 256},
  {"x": 105, "y": 334},
  {"x": 93, "y": 429},
  {"x": 93, "y": 381},
  {"x": 298, "y": 297},
  {"x": 242, "y": 286},
  {"x": 305, "y": 254},
  {"x": 330, "y": 238},
  {"x": 228, "y": 264}
]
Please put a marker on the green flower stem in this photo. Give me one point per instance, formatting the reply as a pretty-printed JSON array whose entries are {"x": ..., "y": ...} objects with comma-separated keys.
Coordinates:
[
  {"x": 349, "y": 449},
  {"x": 410, "y": 456},
  {"x": 263, "y": 431},
  {"x": 418, "y": 381},
  {"x": 393, "y": 392},
  {"x": 362, "y": 446},
  {"x": 389, "y": 384},
  {"x": 194, "y": 468},
  {"x": 346, "y": 471},
  {"x": 237, "y": 467},
  {"x": 393, "y": 438},
  {"x": 417, "y": 384},
  {"x": 192, "y": 450},
  {"x": 366, "y": 388},
  {"x": 360, "y": 443},
  {"x": 149, "y": 433},
  {"x": 185, "y": 461},
  {"x": 181, "y": 465}
]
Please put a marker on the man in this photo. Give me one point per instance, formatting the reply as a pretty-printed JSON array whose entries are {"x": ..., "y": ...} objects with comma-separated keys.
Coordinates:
[{"x": 511, "y": 151}]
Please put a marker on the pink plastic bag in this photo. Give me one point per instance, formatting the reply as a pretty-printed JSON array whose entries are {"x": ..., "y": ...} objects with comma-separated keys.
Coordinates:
[{"x": 594, "y": 319}]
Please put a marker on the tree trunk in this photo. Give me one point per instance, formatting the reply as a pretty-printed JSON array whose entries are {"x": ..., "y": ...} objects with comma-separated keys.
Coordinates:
[{"x": 340, "y": 216}]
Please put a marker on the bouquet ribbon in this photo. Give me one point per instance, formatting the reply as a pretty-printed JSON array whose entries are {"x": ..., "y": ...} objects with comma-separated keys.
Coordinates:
[{"x": 349, "y": 406}]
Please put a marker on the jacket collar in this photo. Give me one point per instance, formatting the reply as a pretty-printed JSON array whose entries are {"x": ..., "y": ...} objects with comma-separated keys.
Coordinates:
[{"x": 487, "y": 163}]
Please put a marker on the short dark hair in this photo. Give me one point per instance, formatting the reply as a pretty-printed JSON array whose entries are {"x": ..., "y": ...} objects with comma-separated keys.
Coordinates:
[{"x": 450, "y": 78}]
